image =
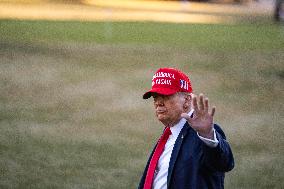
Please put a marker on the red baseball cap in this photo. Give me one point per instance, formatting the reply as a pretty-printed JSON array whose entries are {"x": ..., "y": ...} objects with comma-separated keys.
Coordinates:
[{"x": 168, "y": 81}]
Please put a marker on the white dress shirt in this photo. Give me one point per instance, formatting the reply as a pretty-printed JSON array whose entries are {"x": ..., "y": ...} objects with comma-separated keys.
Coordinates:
[{"x": 161, "y": 172}]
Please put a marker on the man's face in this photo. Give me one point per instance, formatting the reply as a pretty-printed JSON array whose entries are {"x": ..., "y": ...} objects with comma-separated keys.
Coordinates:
[{"x": 169, "y": 108}]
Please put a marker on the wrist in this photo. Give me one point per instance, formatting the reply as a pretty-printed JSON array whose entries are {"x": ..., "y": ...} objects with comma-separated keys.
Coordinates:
[{"x": 209, "y": 135}]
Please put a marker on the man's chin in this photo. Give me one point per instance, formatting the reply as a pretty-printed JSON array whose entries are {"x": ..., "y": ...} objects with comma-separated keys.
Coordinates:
[{"x": 162, "y": 118}]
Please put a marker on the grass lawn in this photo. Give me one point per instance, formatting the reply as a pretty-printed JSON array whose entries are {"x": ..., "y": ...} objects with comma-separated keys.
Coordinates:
[{"x": 71, "y": 107}]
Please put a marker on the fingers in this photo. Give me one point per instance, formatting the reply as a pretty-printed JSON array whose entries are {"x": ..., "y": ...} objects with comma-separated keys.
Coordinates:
[
  {"x": 202, "y": 104},
  {"x": 213, "y": 111},
  {"x": 206, "y": 105}
]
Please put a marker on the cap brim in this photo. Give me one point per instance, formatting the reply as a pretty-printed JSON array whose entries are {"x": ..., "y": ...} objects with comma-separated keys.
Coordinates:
[{"x": 162, "y": 91}]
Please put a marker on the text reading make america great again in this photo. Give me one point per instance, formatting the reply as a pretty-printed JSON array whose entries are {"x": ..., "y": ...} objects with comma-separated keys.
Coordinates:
[{"x": 163, "y": 78}]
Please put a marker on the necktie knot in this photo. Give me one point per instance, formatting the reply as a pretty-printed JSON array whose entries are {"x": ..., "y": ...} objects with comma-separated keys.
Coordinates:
[{"x": 167, "y": 133}]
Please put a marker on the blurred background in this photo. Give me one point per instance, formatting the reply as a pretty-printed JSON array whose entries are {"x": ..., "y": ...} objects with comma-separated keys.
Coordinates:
[{"x": 72, "y": 75}]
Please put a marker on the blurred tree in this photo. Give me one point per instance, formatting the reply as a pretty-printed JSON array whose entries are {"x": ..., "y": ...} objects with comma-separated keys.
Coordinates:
[{"x": 279, "y": 11}]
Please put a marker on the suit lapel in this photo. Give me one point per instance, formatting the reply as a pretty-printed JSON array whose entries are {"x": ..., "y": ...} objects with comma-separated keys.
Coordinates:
[{"x": 176, "y": 150}]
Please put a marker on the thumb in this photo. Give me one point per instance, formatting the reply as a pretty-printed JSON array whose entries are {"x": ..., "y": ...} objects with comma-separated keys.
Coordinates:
[{"x": 186, "y": 116}]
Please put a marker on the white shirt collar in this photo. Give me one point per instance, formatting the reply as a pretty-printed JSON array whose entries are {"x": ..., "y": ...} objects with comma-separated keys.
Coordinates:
[{"x": 177, "y": 128}]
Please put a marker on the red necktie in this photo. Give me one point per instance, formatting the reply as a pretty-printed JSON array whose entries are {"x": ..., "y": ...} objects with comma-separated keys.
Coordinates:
[{"x": 155, "y": 158}]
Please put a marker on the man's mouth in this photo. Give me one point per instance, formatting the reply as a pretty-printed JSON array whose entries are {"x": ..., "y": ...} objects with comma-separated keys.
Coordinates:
[{"x": 160, "y": 111}]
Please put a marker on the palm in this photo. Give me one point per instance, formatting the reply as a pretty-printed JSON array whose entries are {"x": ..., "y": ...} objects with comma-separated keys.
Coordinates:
[{"x": 201, "y": 121}]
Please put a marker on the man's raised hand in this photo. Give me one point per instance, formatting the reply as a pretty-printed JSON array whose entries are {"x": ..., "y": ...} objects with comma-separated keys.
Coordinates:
[{"x": 202, "y": 120}]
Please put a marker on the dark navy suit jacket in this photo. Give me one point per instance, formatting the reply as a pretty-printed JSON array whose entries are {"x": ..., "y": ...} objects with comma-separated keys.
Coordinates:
[{"x": 194, "y": 165}]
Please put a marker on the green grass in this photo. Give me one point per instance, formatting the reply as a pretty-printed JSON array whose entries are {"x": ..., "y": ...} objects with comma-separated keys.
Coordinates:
[
  {"x": 217, "y": 37},
  {"x": 72, "y": 115}
]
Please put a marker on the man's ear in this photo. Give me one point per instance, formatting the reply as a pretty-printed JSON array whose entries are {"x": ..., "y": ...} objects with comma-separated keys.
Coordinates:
[{"x": 187, "y": 102}]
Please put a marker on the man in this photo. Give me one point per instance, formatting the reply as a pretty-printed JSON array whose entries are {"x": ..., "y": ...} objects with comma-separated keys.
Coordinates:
[{"x": 193, "y": 152}]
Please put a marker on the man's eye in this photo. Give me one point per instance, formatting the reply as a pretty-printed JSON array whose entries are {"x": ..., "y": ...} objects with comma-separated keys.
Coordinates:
[{"x": 167, "y": 97}]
